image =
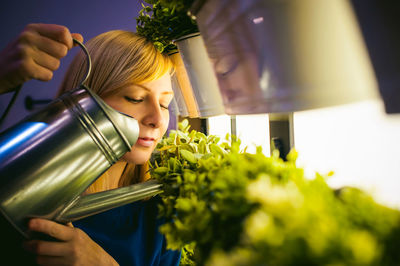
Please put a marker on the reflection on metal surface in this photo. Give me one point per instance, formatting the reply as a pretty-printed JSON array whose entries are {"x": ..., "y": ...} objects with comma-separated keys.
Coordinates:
[{"x": 24, "y": 132}]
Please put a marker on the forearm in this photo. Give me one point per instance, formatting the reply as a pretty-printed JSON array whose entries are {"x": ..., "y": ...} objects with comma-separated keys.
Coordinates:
[
  {"x": 10, "y": 71},
  {"x": 6, "y": 87}
]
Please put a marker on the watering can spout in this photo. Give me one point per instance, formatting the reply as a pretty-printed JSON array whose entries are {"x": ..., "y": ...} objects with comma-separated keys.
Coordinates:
[{"x": 95, "y": 203}]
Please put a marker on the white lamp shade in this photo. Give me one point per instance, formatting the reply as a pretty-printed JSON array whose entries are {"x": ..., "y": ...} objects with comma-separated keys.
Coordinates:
[
  {"x": 201, "y": 75},
  {"x": 284, "y": 56}
]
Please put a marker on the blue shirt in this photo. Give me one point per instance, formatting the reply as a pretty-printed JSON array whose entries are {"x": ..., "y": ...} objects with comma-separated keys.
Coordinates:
[{"x": 130, "y": 234}]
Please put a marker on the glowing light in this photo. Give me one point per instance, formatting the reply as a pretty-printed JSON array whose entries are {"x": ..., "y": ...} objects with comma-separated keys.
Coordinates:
[
  {"x": 219, "y": 125},
  {"x": 253, "y": 130},
  {"x": 359, "y": 142},
  {"x": 258, "y": 20}
]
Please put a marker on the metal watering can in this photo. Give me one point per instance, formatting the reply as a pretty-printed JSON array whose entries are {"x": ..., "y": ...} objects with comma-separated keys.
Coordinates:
[{"x": 50, "y": 158}]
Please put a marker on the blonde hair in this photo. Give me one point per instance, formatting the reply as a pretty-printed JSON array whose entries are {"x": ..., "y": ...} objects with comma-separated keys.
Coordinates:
[{"x": 118, "y": 58}]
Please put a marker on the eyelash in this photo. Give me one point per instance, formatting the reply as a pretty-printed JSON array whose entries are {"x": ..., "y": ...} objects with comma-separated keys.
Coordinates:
[
  {"x": 141, "y": 100},
  {"x": 129, "y": 99}
]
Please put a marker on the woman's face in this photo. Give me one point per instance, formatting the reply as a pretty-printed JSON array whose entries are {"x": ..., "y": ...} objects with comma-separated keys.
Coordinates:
[{"x": 148, "y": 104}]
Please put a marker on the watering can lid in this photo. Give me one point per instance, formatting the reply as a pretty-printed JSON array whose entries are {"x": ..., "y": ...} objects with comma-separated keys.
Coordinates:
[{"x": 126, "y": 125}]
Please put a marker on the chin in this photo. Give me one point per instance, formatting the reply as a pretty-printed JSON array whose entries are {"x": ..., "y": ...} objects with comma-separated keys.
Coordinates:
[{"x": 136, "y": 157}]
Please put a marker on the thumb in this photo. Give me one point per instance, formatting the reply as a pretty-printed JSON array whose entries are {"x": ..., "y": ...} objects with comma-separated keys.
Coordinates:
[{"x": 77, "y": 37}]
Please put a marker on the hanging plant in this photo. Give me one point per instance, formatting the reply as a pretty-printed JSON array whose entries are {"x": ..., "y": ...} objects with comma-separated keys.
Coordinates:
[
  {"x": 226, "y": 206},
  {"x": 163, "y": 21}
]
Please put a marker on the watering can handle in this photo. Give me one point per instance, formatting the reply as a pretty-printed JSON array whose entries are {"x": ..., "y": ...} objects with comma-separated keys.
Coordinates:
[
  {"x": 89, "y": 61},
  {"x": 18, "y": 88}
]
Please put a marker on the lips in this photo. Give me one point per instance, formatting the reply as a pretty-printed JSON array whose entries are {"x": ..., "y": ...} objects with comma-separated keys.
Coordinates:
[{"x": 145, "y": 141}]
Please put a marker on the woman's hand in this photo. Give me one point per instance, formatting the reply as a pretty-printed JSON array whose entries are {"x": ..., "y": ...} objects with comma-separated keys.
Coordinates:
[
  {"x": 35, "y": 54},
  {"x": 74, "y": 247}
]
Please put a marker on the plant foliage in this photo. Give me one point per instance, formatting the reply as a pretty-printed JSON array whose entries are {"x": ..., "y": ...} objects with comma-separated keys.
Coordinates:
[
  {"x": 229, "y": 207},
  {"x": 163, "y": 21}
]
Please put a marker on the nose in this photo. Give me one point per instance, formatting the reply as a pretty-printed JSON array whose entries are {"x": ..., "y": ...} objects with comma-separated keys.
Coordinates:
[{"x": 153, "y": 116}]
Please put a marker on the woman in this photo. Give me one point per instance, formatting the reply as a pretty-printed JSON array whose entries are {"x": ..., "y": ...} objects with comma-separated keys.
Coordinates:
[{"x": 132, "y": 77}]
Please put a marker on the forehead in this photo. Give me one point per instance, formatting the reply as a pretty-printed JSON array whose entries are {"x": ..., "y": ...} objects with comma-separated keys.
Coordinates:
[
  {"x": 159, "y": 86},
  {"x": 163, "y": 83}
]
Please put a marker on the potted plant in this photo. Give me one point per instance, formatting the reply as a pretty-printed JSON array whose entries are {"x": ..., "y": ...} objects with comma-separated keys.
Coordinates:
[
  {"x": 229, "y": 207},
  {"x": 168, "y": 26},
  {"x": 163, "y": 21}
]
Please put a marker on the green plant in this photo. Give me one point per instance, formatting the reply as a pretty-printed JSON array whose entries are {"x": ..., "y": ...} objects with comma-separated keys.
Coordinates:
[
  {"x": 185, "y": 163},
  {"x": 163, "y": 21},
  {"x": 236, "y": 208}
]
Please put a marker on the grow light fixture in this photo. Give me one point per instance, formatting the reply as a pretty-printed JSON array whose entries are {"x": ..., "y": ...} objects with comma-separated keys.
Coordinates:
[{"x": 312, "y": 52}]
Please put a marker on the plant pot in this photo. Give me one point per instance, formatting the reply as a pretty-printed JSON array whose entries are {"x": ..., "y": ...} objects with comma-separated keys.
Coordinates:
[
  {"x": 183, "y": 92},
  {"x": 201, "y": 75},
  {"x": 283, "y": 56},
  {"x": 179, "y": 107}
]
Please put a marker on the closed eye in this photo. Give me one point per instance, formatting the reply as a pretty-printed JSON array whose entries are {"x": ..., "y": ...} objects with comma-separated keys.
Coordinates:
[
  {"x": 139, "y": 100},
  {"x": 133, "y": 100}
]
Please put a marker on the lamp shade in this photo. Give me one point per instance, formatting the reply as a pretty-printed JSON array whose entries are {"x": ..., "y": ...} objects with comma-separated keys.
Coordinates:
[
  {"x": 283, "y": 56},
  {"x": 183, "y": 89},
  {"x": 201, "y": 75}
]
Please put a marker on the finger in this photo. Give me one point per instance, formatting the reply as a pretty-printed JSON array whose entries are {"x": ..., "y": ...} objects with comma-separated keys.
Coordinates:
[
  {"x": 45, "y": 60},
  {"x": 51, "y": 47},
  {"x": 77, "y": 37},
  {"x": 38, "y": 42},
  {"x": 69, "y": 224},
  {"x": 51, "y": 228},
  {"x": 50, "y": 260},
  {"x": 29, "y": 69},
  {"x": 55, "y": 32},
  {"x": 46, "y": 248}
]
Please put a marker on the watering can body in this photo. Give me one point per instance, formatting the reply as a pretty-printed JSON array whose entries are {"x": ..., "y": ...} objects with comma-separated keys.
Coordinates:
[{"x": 50, "y": 158}]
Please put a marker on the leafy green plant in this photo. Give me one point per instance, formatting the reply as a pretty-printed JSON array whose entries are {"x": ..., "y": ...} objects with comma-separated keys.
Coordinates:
[
  {"x": 229, "y": 207},
  {"x": 164, "y": 21}
]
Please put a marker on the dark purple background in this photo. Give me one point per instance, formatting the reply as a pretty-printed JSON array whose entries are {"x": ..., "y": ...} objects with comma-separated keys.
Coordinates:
[{"x": 88, "y": 17}]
